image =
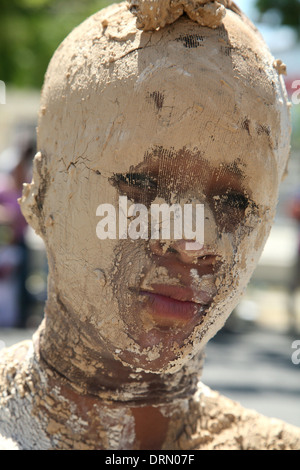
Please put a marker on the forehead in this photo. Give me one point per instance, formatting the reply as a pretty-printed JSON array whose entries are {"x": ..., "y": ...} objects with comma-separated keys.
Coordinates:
[
  {"x": 173, "y": 89},
  {"x": 203, "y": 132},
  {"x": 176, "y": 104},
  {"x": 211, "y": 121}
]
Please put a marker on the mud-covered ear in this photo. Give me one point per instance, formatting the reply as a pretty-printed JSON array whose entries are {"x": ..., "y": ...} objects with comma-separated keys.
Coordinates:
[{"x": 33, "y": 194}]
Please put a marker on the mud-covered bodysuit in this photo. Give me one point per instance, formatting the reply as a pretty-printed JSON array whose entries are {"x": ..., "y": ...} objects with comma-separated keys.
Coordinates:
[{"x": 39, "y": 411}]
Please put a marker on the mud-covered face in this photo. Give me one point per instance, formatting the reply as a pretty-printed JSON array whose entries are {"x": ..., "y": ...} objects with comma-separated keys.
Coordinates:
[
  {"x": 166, "y": 287},
  {"x": 154, "y": 302}
]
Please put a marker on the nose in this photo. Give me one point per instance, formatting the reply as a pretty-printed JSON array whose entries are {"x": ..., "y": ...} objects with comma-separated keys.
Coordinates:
[
  {"x": 182, "y": 249},
  {"x": 190, "y": 251}
]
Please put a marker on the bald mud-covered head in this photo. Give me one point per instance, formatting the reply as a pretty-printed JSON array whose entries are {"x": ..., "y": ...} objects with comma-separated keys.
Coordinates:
[{"x": 182, "y": 114}]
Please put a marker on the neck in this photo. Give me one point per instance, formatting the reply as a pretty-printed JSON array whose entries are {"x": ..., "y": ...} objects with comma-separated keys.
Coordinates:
[
  {"x": 71, "y": 419},
  {"x": 87, "y": 410},
  {"x": 71, "y": 350},
  {"x": 109, "y": 405}
]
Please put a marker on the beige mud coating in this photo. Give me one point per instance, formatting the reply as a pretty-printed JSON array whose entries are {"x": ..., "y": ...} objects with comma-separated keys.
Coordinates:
[
  {"x": 184, "y": 113},
  {"x": 154, "y": 14}
]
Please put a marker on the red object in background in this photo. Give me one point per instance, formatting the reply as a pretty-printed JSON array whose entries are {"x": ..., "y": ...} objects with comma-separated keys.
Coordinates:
[{"x": 294, "y": 208}]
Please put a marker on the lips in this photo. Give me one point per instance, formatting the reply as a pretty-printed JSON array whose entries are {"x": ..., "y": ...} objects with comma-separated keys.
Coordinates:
[
  {"x": 170, "y": 305},
  {"x": 182, "y": 294}
]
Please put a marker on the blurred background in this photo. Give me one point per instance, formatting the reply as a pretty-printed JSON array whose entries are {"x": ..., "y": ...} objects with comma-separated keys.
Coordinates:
[{"x": 250, "y": 360}]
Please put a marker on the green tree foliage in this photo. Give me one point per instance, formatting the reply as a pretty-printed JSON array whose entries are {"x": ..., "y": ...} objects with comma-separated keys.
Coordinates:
[
  {"x": 289, "y": 14},
  {"x": 289, "y": 11},
  {"x": 31, "y": 30}
]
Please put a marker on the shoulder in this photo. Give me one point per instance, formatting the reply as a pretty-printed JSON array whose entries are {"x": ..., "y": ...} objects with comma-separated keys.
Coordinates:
[
  {"x": 14, "y": 368},
  {"x": 20, "y": 428},
  {"x": 228, "y": 425},
  {"x": 12, "y": 362}
]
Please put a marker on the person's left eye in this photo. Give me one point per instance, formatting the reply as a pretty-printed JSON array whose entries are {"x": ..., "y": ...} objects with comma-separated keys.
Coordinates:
[
  {"x": 230, "y": 208},
  {"x": 235, "y": 200}
]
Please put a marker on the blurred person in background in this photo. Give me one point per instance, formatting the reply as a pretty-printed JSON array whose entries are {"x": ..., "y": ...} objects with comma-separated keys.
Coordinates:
[
  {"x": 15, "y": 168},
  {"x": 294, "y": 212}
]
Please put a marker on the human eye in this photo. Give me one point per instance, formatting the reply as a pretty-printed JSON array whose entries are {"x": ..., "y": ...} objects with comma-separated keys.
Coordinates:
[
  {"x": 235, "y": 200},
  {"x": 139, "y": 180},
  {"x": 139, "y": 187},
  {"x": 230, "y": 207}
]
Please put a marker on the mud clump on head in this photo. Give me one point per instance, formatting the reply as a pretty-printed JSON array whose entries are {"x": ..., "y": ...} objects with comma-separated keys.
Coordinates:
[{"x": 155, "y": 14}]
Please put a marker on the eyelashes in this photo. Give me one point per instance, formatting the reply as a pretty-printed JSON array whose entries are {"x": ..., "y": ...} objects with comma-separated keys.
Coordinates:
[
  {"x": 137, "y": 180},
  {"x": 142, "y": 181},
  {"x": 141, "y": 188},
  {"x": 230, "y": 210},
  {"x": 234, "y": 200}
]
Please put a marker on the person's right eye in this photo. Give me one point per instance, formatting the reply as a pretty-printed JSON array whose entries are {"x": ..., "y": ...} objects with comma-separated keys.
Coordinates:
[
  {"x": 139, "y": 187},
  {"x": 138, "y": 180}
]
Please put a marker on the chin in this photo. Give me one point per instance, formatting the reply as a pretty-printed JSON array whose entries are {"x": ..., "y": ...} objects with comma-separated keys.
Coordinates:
[{"x": 161, "y": 347}]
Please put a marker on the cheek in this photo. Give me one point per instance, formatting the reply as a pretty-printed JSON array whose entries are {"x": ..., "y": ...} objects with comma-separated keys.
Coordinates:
[
  {"x": 253, "y": 244},
  {"x": 239, "y": 250},
  {"x": 131, "y": 261},
  {"x": 243, "y": 248},
  {"x": 239, "y": 253}
]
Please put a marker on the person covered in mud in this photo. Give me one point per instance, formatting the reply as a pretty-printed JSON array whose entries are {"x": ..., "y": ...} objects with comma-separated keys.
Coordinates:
[{"x": 148, "y": 104}]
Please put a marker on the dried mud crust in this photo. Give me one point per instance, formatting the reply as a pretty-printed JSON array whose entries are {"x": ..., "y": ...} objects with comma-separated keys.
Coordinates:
[
  {"x": 154, "y": 14},
  {"x": 213, "y": 422},
  {"x": 218, "y": 423}
]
